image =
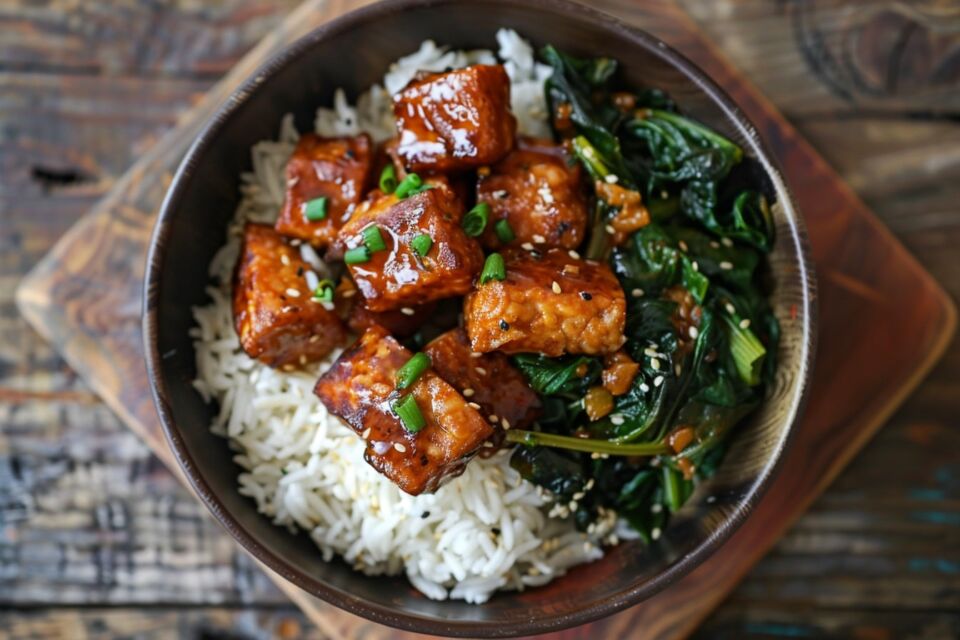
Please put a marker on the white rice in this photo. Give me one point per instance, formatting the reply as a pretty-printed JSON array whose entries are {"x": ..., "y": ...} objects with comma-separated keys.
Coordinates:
[{"x": 487, "y": 529}]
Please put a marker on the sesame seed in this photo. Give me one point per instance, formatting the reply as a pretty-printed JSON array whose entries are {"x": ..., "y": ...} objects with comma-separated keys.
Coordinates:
[
  {"x": 399, "y": 447},
  {"x": 573, "y": 254},
  {"x": 656, "y": 507},
  {"x": 480, "y": 371},
  {"x": 726, "y": 266},
  {"x": 571, "y": 268},
  {"x": 504, "y": 423},
  {"x": 493, "y": 418},
  {"x": 693, "y": 332},
  {"x": 658, "y": 381},
  {"x": 296, "y": 242},
  {"x": 711, "y": 499},
  {"x": 288, "y": 367},
  {"x": 556, "y": 287},
  {"x": 714, "y": 244},
  {"x": 616, "y": 419},
  {"x": 594, "y": 456},
  {"x": 293, "y": 293},
  {"x": 489, "y": 445},
  {"x": 655, "y": 533},
  {"x": 407, "y": 311},
  {"x": 663, "y": 194},
  {"x": 677, "y": 370},
  {"x": 527, "y": 246},
  {"x": 683, "y": 246},
  {"x": 655, "y": 462},
  {"x": 589, "y": 484},
  {"x": 285, "y": 259},
  {"x": 349, "y": 293},
  {"x": 637, "y": 293},
  {"x": 539, "y": 239},
  {"x": 730, "y": 309},
  {"x": 727, "y": 242},
  {"x": 644, "y": 387},
  {"x": 468, "y": 392},
  {"x": 500, "y": 194},
  {"x": 313, "y": 338},
  {"x": 654, "y": 364},
  {"x": 366, "y": 433},
  {"x": 611, "y": 179},
  {"x": 474, "y": 354},
  {"x": 609, "y": 229},
  {"x": 473, "y": 405},
  {"x": 745, "y": 323},
  {"x": 573, "y": 505}
]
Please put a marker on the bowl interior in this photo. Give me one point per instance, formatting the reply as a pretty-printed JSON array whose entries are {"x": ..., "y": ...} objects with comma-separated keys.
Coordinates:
[{"x": 353, "y": 53}]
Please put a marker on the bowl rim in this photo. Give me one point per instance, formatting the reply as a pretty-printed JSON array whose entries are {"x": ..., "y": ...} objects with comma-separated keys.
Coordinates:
[{"x": 393, "y": 617}]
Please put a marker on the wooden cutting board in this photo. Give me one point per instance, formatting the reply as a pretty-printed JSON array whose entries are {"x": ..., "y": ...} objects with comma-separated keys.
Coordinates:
[{"x": 884, "y": 321}]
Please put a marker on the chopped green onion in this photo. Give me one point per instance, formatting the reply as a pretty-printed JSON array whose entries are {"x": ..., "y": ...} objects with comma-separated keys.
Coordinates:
[
  {"x": 590, "y": 445},
  {"x": 422, "y": 244},
  {"x": 315, "y": 209},
  {"x": 324, "y": 291},
  {"x": 411, "y": 186},
  {"x": 493, "y": 269},
  {"x": 357, "y": 255},
  {"x": 388, "y": 179},
  {"x": 409, "y": 413},
  {"x": 476, "y": 220},
  {"x": 747, "y": 350},
  {"x": 412, "y": 370},
  {"x": 504, "y": 231},
  {"x": 373, "y": 240}
]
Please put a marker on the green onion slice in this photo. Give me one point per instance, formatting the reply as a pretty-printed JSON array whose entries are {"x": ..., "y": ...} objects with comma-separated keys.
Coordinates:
[
  {"x": 421, "y": 244},
  {"x": 357, "y": 255},
  {"x": 412, "y": 370},
  {"x": 315, "y": 209},
  {"x": 493, "y": 269},
  {"x": 590, "y": 445},
  {"x": 388, "y": 179},
  {"x": 411, "y": 186},
  {"x": 324, "y": 291},
  {"x": 504, "y": 231},
  {"x": 409, "y": 413},
  {"x": 476, "y": 220},
  {"x": 373, "y": 239}
]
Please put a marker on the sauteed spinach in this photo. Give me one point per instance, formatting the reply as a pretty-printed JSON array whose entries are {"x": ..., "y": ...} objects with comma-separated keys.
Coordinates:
[{"x": 699, "y": 323}]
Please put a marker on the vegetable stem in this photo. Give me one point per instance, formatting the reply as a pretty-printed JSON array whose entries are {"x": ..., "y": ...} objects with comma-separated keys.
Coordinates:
[{"x": 588, "y": 445}]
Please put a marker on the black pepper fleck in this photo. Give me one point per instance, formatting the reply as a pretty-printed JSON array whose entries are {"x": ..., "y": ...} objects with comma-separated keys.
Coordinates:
[
  {"x": 425, "y": 514},
  {"x": 504, "y": 325},
  {"x": 585, "y": 295},
  {"x": 299, "y": 271}
]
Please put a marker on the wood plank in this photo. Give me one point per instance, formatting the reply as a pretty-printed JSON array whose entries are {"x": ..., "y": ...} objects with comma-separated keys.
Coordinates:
[
  {"x": 864, "y": 582},
  {"x": 180, "y": 38}
]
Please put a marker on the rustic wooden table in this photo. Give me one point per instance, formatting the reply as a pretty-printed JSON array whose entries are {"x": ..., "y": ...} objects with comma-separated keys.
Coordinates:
[{"x": 98, "y": 538}]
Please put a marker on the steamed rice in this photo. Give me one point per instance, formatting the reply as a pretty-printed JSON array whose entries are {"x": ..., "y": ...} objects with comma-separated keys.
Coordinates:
[{"x": 488, "y": 529}]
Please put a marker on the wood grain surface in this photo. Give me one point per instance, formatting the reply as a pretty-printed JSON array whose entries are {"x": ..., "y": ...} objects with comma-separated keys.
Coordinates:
[{"x": 89, "y": 516}]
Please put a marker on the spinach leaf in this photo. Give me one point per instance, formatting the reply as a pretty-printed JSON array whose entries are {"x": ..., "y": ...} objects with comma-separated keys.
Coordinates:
[{"x": 553, "y": 376}]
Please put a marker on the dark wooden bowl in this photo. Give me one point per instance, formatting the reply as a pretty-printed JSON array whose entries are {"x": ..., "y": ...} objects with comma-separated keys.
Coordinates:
[{"x": 353, "y": 52}]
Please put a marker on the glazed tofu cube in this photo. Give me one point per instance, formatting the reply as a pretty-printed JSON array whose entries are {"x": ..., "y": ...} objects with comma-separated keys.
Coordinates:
[
  {"x": 455, "y": 120},
  {"x": 337, "y": 169},
  {"x": 538, "y": 191},
  {"x": 276, "y": 317},
  {"x": 549, "y": 303},
  {"x": 360, "y": 388},
  {"x": 485, "y": 378},
  {"x": 398, "y": 277},
  {"x": 396, "y": 322}
]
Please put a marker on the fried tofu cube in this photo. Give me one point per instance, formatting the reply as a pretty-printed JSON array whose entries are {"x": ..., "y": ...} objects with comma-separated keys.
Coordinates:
[
  {"x": 485, "y": 378},
  {"x": 275, "y": 315},
  {"x": 456, "y": 120},
  {"x": 337, "y": 169},
  {"x": 360, "y": 388},
  {"x": 400, "y": 323},
  {"x": 549, "y": 303},
  {"x": 538, "y": 191},
  {"x": 398, "y": 277}
]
